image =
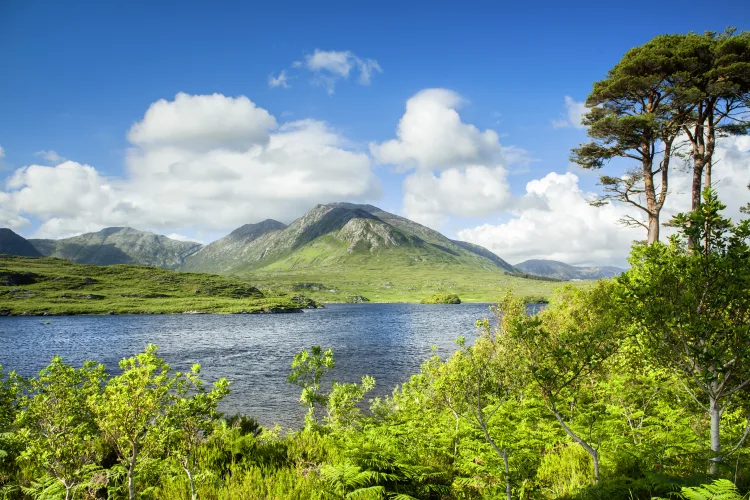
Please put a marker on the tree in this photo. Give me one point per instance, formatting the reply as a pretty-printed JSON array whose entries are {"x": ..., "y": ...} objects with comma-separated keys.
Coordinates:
[
  {"x": 10, "y": 386},
  {"x": 564, "y": 350},
  {"x": 57, "y": 424},
  {"x": 191, "y": 417},
  {"x": 479, "y": 380},
  {"x": 308, "y": 368},
  {"x": 130, "y": 410},
  {"x": 691, "y": 301},
  {"x": 633, "y": 116},
  {"x": 712, "y": 83},
  {"x": 343, "y": 411}
]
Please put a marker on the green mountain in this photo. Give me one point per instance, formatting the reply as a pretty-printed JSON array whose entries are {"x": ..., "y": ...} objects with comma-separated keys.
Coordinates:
[
  {"x": 336, "y": 236},
  {"x": 119, "y": 245},
  {"x": 563, "y": 271},
  {"x": 14, "y": 244}
]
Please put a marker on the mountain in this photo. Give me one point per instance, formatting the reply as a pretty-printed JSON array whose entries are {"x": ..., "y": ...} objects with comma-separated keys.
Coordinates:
[
  {"x": 563, "y": 271},
  {"x": 119, "y": 245},
  {"x": 14, "y": 244},
  {"x": 240, "y": 246},
  {"x": 337, "y": 236}
]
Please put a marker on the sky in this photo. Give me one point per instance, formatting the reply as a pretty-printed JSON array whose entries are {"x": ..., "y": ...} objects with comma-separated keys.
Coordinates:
[{"x": 190, "y": 119}]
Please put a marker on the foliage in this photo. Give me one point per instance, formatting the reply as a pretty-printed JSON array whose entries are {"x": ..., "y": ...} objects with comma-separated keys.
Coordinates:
[{"x": 442, "y": 298}]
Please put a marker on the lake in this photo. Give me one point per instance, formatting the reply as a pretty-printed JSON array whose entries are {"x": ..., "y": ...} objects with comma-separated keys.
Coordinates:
[{"x": 387, "y": 341}]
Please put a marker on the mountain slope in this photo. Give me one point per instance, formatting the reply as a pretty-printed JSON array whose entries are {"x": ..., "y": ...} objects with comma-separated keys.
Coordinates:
[
  {"x": 119, "y": 245},
  {"x": 563, "y": 271},
  {"x": 340, "y": 236},
  {"x": 244, "y": 244},
  {"x": 14, "y": 244}
]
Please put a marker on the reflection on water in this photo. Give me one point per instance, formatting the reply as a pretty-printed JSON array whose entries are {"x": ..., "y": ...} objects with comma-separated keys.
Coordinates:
[{"x": 387, "y": 341}]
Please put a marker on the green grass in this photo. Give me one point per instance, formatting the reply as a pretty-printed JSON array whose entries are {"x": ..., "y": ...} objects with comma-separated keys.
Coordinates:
[
  {"x": 398, "y": 275},
  {"x": 59, "y": 286}
]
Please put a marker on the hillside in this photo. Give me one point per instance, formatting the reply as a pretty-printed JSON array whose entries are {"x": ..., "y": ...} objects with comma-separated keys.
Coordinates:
[
  {"x": 14, "y": 244},
  {"x": 345, "y": 252},
  {"x": 119, "y": 245},
  {"x": 335, "y": 235},
  {"x": 563, "y": 271},
  {"x": 47, "y": 286}
]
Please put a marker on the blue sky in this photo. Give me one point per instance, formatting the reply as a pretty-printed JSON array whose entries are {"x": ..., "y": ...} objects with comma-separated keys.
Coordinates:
[{"x": 78, "y": 75}]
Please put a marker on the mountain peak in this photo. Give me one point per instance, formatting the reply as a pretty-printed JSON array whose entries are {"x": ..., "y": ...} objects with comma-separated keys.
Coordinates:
[{"x": 12, "y": 243}]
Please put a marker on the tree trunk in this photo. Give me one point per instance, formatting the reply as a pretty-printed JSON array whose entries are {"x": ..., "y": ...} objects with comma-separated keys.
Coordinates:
[
  {"x": 67, "y": 490},
  {"x": 193, "y": 492},
  {"x": 651, "y": 204},
  {"x": 715, "y": 411},
  {"x": 697, "y": 182},
  {"x": 131, "y": 473},
  {"x": 653, "y": 229},
  {"x": 507, "y": 474},
  {"x": 590, "y": 449}
]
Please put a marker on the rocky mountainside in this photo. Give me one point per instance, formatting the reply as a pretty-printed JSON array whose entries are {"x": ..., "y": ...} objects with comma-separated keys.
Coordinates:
[
  {"x": 14, "y": 244},
  {"x": 119, "y": 245},
  {"x": 563, "y": 271},
  {"x": 337, "y": 234},
  {"x": 244, "y": 244}
]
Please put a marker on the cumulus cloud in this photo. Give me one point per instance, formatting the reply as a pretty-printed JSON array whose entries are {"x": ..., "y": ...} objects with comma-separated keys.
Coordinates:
[
  {"x": 554, "y": 220},
  {"x": 574, "y": 111},
  {"x": 330, "y": 66},
  {"x": 471, "y": 192},
  {"x": 460, "y": 170},
  {"x": 206, "y": 163},
  {"x": 50, "y": 156},
  {"x": 278, "y": 81}
]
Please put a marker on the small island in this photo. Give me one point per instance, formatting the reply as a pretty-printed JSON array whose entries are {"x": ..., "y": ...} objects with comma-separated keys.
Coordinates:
[{"x": 442, "y": 298}]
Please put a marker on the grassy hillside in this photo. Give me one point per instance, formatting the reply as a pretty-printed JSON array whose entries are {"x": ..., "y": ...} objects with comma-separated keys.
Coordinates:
[{"x": 56, "y": 286}]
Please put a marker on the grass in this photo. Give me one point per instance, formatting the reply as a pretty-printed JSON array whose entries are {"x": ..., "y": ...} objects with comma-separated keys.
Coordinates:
[
  {"x": 51, "y": 286},
  {"x": 398, "y": 275}
]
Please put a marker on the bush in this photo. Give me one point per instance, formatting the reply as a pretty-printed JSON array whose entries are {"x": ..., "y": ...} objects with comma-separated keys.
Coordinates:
[{"x": 442, "y": 298}]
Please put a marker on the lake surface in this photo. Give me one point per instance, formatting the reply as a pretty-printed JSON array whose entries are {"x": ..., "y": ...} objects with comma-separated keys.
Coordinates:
[{"x": 387, "y": 341}]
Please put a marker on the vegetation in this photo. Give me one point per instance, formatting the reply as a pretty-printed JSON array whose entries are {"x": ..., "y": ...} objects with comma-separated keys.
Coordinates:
[
  {"x": 636, "y": 388},
  {"x": 54, "y": 286},
  {"x": 442, "y": 298},
  {"x": 689, "y": 86}
]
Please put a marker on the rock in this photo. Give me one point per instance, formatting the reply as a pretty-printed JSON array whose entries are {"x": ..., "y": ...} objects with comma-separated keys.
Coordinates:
[
  {"x": 15, "y": 278},
  {"x": 357, "y": 299},
  {"x": 193, "y": 311},
  {"x": 112, "y": 313},
  {"x": 90, "y": 281}
]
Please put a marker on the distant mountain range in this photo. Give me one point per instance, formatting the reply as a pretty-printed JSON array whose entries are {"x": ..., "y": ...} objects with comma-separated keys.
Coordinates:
[
  {"x": 563, "y": 271},
  {"x": 337, "y": 235}
]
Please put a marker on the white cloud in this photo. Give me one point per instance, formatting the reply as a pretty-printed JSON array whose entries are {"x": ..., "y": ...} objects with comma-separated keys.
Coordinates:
[
  {"x": 574, "y": 111},
  {"x": 203, "y": 163},
  {"x": 330, "y": 66},
  {"x": 475, "y": 191},
  {"x": 557, "y": 223},
  {"x": 50, "y": 156},
  {"x": 431, "y": 135},
  {"x": 554, "y": 220},
  {"x": 203, "y": 122},
  {"x": 279, "y": 81},
  {"x": 460, "y": 170}
]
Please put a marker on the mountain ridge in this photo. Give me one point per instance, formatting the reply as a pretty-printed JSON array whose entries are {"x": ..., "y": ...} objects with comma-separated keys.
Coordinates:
[
  {"x": 12, "y": 243},
  {"x": 567, "y": 272},
  {"x": 119, "y": 245}
]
